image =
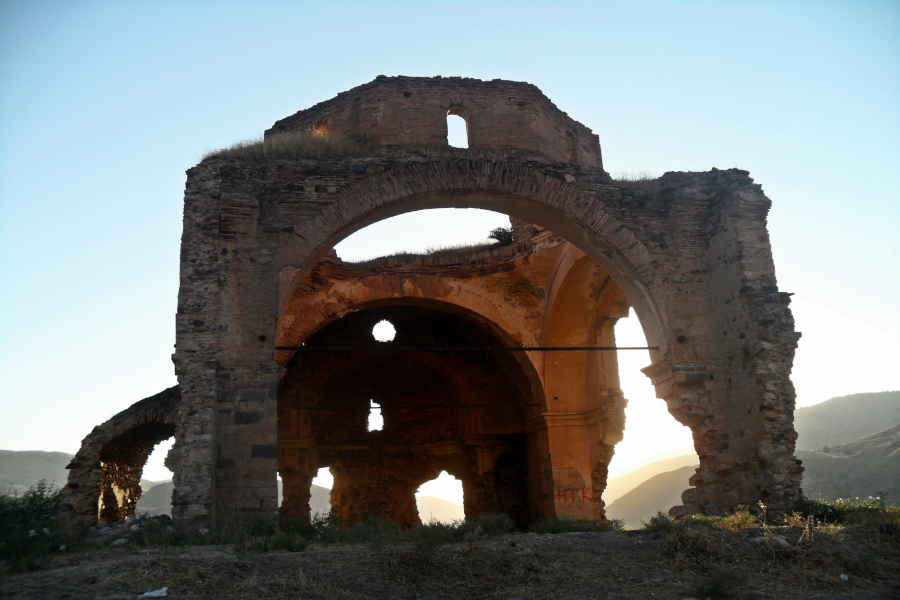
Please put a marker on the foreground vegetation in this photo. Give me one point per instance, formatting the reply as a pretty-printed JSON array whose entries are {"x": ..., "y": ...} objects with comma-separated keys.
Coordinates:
[{"x": 832, "y": 546}]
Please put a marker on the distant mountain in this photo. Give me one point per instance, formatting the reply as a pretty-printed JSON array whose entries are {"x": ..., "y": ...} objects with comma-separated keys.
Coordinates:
[
  {"x": 20, "y": 471},
  {"x": 619, "y": 486},
  {"x": 844, "y": 419},
  {"x": 441, "y": 510},
  {"x": 862, "y": 468},
  {"x": 660, "y": 492}
]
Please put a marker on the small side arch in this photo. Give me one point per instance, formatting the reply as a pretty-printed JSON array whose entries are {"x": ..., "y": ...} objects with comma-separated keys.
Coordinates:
[{"x": 105, "y": 474}]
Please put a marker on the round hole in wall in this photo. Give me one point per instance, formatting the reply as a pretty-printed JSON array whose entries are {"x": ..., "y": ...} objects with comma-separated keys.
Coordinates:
[{"x": 384, "y": 331}]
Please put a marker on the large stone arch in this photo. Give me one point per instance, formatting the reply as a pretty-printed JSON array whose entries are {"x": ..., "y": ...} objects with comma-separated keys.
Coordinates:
[
  {"x": 546, "y": 199},
  {"x": 105, "y": 473},
  {"x": 487, "y": 407}
]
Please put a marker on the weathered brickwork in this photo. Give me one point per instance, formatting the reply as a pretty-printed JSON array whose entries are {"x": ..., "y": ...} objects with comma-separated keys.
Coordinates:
[{"x": 688, "y": 252}]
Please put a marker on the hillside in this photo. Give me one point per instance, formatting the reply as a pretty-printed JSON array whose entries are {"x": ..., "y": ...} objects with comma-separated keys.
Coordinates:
[
  {"x": 846, "y": 418},
  {"x": 441, "y": 510},
  {"x": 862, "y": 468},
  {"x": 619, "y": 486},
  {"x": 20, "y": 471},
  {"x": 660, "y": 492}
]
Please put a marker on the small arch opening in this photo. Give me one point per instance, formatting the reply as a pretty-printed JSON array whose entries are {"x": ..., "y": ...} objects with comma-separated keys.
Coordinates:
[
  {"x": 441, "y": 499},
  {"x": 457, "y": 131},
  {"x": 384, "y": 331},
  {"x": 375, "y": 421}
]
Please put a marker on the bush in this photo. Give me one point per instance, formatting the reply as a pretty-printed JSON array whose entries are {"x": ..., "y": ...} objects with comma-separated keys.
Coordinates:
[
  {"x": 31, "y": 527},
  {"x": 504, "y": 235},
  {"x": 847, "y": 511},
  {"x": 741, "y": 519}
]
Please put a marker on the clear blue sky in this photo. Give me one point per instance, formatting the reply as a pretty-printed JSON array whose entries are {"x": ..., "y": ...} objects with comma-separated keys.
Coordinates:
[{"x": 103, "y": 105}]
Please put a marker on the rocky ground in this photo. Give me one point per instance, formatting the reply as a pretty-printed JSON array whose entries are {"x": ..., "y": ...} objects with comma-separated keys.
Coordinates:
[{"x": 854, "y": 562}]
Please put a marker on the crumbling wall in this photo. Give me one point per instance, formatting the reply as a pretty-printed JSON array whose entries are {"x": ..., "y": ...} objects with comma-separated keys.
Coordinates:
[{"x": 105, "y": 474}]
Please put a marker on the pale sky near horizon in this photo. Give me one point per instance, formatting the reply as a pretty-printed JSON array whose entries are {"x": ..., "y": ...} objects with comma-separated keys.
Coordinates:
[{"x": 103, "y": 105}]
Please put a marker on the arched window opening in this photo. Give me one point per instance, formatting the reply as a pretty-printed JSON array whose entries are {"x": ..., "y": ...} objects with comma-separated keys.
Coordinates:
[
  {"x": 457, "y": 131},
  {"x": 423, "y": 232},
  {"x": 384, "y": 331},
  {"x": 656, "y": 458},
  {"x": 375, "y": 421},
  {"x": 440, "y": 499}
]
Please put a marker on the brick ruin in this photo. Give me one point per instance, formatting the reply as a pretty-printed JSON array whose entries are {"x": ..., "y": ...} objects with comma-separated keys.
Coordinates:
[{"x": 528, "y": 433}]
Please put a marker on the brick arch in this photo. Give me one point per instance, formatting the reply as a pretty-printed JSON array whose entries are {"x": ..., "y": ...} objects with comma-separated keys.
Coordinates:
[
  {"x": 368, "y": 297},
  {"x": 539, "y": 196},
  {"x": 105, "y": 473},
  {"x": 307, "y": 441}
]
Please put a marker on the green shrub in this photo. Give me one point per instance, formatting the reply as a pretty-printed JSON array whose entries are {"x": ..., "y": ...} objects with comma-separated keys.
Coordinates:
[
  {"x": 847, "y": 511},
  {"x": 31, "y": 527},
  {"x": 659, "y": 522},
  {"x": 740, "y": 519}
]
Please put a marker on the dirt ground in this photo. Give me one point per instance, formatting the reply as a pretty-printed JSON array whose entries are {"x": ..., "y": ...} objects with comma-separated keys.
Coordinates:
[{"x": 699, "y": 563}]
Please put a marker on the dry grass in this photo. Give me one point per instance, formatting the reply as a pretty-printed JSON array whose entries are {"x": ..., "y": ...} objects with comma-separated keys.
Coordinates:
[
  {"x": 436, "y": 250},
  {"x": 697, "y": 561},
  {"x": 624, "y": 177},
  {"x": 298, "y": 144}
]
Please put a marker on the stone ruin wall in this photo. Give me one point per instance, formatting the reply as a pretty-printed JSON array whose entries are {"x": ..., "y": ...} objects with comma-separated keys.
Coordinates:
[
  {"x": 398, "y": 112},
  {"x": 690, "y": 252}
]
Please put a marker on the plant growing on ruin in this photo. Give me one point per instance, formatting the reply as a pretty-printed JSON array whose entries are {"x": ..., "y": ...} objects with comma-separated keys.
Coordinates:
[{"x": 503, "y": 235}]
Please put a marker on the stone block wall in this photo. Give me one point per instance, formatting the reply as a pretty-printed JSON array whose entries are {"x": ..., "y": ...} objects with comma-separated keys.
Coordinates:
[{"x": 412, "y": 111}]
